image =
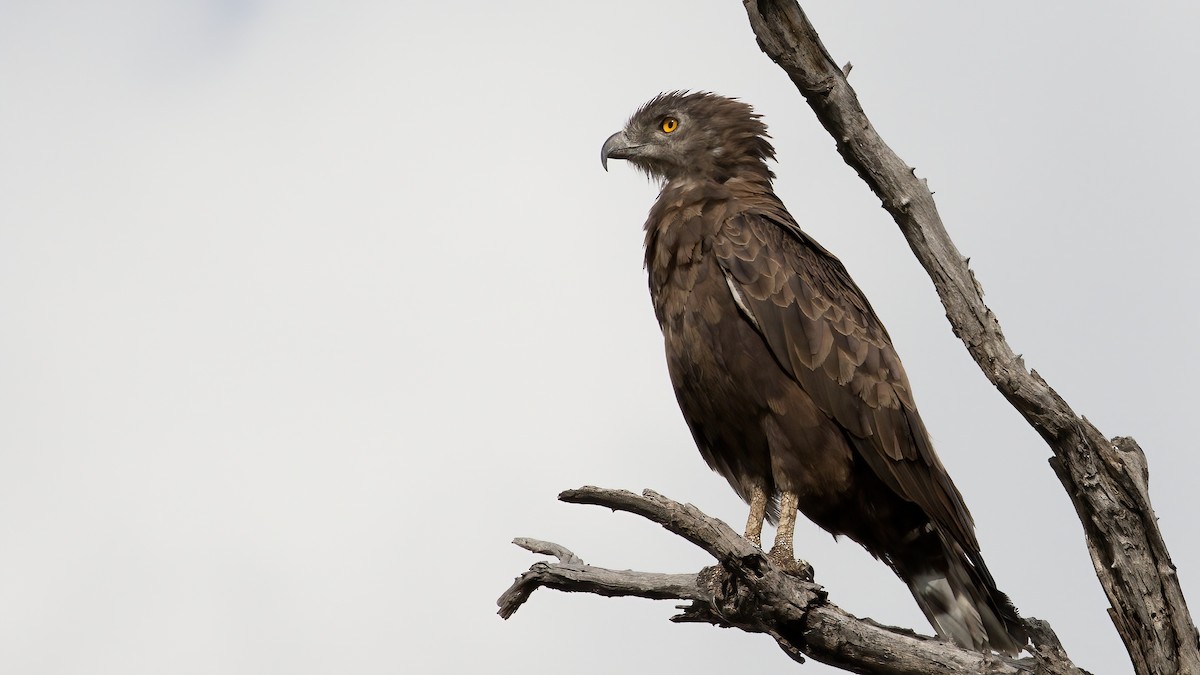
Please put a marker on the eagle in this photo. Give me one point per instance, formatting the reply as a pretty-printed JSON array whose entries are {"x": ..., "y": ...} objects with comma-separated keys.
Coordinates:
[{"x": 786, "y": 377}]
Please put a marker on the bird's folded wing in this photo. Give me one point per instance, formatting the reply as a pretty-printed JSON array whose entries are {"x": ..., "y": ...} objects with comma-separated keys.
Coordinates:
[{"x": 822, "y": 331}]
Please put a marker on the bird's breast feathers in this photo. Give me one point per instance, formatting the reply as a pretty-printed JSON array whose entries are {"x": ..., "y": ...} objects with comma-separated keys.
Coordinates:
[{"x": 685, "y": 223}]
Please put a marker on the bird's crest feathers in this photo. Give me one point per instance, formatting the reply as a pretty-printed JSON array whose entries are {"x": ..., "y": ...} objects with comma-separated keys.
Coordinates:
[{"x": 681, "y": 134}]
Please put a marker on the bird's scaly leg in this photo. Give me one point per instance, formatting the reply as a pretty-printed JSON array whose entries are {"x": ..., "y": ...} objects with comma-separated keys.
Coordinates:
[
  {"x": 758, "y": 513},
  {"x": 782, "y": 553}
]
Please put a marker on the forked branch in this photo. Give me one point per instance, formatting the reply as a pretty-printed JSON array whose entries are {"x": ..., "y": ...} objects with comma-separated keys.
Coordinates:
[{"x": 745, "y": 590}]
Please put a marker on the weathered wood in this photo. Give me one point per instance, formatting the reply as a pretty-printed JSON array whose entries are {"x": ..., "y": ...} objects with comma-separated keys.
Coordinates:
[
  {"x": 1106, "y": 480},
  {"x": 747, "y": 591}
]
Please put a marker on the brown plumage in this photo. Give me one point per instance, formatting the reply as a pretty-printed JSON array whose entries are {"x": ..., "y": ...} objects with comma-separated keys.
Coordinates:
[{"x": 787, "y": 379}]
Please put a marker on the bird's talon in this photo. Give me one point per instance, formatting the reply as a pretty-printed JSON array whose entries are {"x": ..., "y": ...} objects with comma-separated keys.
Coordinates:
[{"x": 790, "y": 565}]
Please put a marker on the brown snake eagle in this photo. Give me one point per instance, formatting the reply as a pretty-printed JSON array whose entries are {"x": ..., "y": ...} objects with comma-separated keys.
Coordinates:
[{"x": 785, "y": 375}]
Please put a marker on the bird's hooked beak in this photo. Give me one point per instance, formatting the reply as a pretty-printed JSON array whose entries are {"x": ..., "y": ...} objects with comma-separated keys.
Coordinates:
[{"x": 617, "y": 147}]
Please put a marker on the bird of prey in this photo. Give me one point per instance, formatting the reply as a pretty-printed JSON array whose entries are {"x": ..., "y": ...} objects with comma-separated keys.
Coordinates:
[{"x": 787, "y": 379}]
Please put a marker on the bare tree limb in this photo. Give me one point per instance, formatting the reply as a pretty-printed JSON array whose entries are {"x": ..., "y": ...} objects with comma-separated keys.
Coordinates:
[
  {"x": 549, "y": 548},
  {"x": 747, "y": 591},
  {"x": 580, "y": 578},
  {"x": 1106, "y": 480}
]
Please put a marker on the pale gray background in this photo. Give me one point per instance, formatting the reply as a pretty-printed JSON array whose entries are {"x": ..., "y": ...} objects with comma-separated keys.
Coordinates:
[{"x": 308, "y": 309}]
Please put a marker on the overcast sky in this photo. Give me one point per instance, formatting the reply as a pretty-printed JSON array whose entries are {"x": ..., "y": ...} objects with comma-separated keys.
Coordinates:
[{"x": 308, "y": 309}]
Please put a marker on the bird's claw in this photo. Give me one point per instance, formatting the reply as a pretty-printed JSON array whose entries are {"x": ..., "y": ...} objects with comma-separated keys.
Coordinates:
[{"x": 784, "y": 560}]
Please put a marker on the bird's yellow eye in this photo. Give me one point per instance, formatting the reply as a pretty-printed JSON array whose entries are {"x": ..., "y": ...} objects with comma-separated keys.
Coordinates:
[{"x": 669, "y": 124}]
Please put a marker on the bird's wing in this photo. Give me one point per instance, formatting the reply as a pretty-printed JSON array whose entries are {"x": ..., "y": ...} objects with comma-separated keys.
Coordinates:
[{"x": 823, "y": 332}]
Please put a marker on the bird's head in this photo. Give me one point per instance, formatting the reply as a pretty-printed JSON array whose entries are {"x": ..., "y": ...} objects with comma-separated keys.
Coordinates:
[{"x": 700, "y": 135}]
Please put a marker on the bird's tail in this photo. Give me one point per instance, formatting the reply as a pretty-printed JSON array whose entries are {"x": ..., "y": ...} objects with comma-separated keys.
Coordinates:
[{"x": 959, "y": 597}]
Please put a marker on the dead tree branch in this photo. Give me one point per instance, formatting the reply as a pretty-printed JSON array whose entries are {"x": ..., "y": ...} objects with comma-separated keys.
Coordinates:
[
  {"x": 745, "y": 590},
  {"x": 1106, "y": 480},
  {"x": 571, "y": 574}
]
